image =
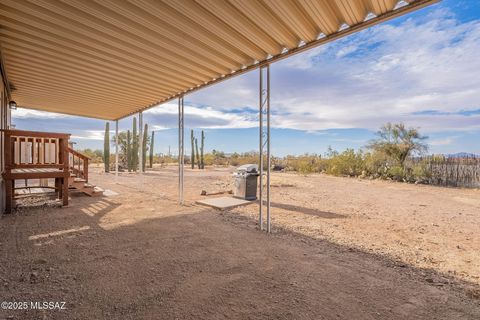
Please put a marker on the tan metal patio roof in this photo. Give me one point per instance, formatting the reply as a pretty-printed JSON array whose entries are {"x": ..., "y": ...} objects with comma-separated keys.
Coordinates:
[{"x": 108, "y": 58}]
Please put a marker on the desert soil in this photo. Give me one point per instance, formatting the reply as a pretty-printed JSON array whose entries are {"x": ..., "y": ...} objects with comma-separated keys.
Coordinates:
[{"x": 341, "y": 248}]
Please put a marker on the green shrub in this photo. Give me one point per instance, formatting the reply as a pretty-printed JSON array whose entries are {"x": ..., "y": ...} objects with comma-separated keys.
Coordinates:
[
  {"x": 396, "y": 173},
  {"x": 347, "y": 163},
  {"x": 376, "y": 164},
  {"x": 304, "y": 164}
]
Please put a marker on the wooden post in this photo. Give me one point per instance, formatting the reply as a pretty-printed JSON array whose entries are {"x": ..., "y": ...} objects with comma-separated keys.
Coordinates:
[
  {"x": 9, "y": 149},
  {"x": 58, "y": 151},
  {"x": 85, "y": 169},
  {"x": 34, "y": 151},
  {"x": 63, "y": 157},
  {"x": 42, "y": 151},
  {"x": 58, "y": 188},
  {"x": 9, "y": 195},
  {"x": 16, "y": 148}
]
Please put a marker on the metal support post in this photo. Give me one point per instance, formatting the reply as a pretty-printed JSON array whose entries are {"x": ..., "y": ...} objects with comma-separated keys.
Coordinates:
[
  {"x": 140, "y": 141},
  {"x": 116, "y": 148},
  {"x": 264, "y": 146},
  {"x": 181, "y": 149}
]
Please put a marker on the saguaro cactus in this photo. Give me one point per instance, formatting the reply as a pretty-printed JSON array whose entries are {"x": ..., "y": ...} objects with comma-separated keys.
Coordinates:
[
  {"x": 106, "y": 147},
  {"x": 134, "y": 145},
  {"x": 202, "y": 145},
  {"x": 129, "y": 151},
  {"x": 151, "y": 149},
  {"x": 198, "y": 158},
  {"x": 144, "y": 147},
  {"x": 192, "y": 157}
]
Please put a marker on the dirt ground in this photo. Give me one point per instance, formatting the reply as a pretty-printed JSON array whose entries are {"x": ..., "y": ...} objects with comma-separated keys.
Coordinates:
[
  {"x": 424, "y": 226},
  {"x": 341, "y": 249}
]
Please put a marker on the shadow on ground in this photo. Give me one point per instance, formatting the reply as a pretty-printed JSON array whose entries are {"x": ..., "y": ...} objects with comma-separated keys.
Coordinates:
[
  {"x": 309, "y": 211},
  {"x": 197, "y": 263}
]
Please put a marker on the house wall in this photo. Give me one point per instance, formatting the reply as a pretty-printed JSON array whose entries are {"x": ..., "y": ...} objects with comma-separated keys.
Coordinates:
[{"x": 5, "y": 121}]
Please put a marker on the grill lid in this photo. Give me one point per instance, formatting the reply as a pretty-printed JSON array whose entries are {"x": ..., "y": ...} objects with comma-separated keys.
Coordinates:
[{"x": 248, "y": 168}]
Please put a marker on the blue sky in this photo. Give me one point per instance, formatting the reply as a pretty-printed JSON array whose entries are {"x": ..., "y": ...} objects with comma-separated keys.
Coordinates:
[{"x": 421, "y": 69}]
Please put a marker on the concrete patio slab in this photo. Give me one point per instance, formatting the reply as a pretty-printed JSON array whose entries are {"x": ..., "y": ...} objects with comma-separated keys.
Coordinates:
[{"x": 223, "y": 203}]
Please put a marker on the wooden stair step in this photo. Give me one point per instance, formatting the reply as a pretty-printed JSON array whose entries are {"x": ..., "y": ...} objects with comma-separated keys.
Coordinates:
[{"x": 77, "y": 184}]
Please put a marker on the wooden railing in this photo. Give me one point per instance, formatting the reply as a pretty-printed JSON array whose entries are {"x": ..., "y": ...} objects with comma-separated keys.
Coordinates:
[
  {"x": 78, "y": 164},
  {"x": 44, "y": 156},
  {"x": 32, "y": 149},
  {"x": 35, "y": 155}
]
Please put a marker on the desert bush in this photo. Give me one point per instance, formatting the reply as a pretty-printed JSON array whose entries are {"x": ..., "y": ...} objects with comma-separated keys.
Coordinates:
[
  {"x": 96, "y": 156},
  {"x": 346, "y": 163},
  {"x": 396, "y": 173},
  {"x": 376, "y": 164},
  {"x": 238, "y": 159},
  {"x": 164, "y": 159},
  {"x": 215, "y": 158},
  {"x": 307, "y": 163},
  {"x": 418, "y": 172}
]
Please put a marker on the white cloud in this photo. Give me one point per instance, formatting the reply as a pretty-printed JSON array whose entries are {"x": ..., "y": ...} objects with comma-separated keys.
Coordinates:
[
  {"x": 91, "y": 135},
  {"x": 444, "y": 141},
  {"x": 345, "y": 51},
  {"x": 22, "y": 113},
  {"x": 305, "y": 60},
  {"x": 386, "y": 73},
  {"x": 197, "y": 116}
]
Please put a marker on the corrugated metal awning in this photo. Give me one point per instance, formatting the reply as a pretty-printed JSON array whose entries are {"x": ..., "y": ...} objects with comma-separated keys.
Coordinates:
[{"x": 108, "y": 58}]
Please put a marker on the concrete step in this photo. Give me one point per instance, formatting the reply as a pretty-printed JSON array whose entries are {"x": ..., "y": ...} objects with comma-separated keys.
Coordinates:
[
  {"x": 91, "y": 190},
  {"x": 97, "y": 192}
]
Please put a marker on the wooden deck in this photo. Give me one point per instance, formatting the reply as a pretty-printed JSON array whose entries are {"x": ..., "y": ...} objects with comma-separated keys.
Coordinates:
[{"x": 45, "y": 156}]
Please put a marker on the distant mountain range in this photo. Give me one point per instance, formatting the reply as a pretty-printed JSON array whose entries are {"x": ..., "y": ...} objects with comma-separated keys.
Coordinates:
[{"x": 463, "y": 155}]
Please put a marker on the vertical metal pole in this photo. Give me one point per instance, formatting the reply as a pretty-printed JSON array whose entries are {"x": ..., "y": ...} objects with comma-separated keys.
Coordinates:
[
  {"x": 183, "y": 145},
  {"x": 140, "y": 141},
  {"x": 180, "y": 190},
  {"x": 268, "y": 148},
  {"x": 264, "y": 116},
  {"x": 181, "y": 150},
  {"x": 260, "y": 160},
  {"x": 116, "y": 148}
]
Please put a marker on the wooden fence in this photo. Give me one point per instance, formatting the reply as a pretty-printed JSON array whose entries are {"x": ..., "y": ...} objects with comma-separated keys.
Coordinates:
[{"x": 450, "y": 171}]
